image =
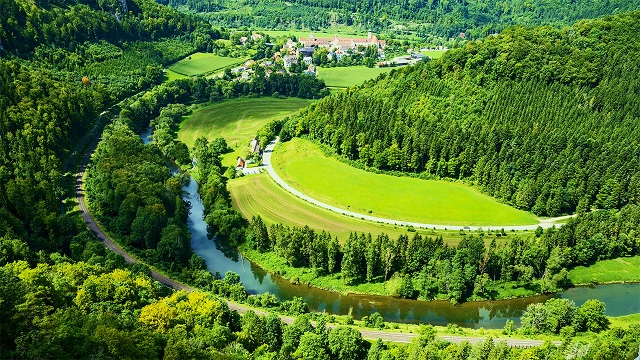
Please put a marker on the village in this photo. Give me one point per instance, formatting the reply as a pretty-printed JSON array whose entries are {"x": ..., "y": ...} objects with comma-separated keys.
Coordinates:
[{"x": 304, "y": 55}]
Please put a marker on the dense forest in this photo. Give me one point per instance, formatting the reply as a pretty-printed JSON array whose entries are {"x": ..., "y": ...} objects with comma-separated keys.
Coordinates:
[
  {"x": 422, "y": 17},
  {"x": 543, "y": 119},
  {"x": 426, "y": 268}
]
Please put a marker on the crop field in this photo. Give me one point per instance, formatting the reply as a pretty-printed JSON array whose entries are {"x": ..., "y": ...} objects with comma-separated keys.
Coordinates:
[
  {"x": 236, "y": 120},
  {"x": 302, "y": 165},
  {"x": 202, "y": 63},
  {"x": 344, "y": 77},
  {"x": 621, "y": 269},
  {"x": 260, "y": 195}
]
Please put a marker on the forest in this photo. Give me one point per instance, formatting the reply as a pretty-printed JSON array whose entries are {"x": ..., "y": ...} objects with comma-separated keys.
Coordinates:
[
  {"x": 64, "y": 295},
  {"x": 542, "y": 119},
  {"x": 447, "y": 19}
]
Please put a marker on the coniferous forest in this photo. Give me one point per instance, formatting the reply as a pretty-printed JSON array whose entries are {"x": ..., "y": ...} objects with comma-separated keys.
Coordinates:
[
  {"x": 541, "y": 118},
  {"x": 421, "y": 17}
]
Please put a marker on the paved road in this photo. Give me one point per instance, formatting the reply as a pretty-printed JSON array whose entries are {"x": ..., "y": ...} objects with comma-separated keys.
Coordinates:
[
  {"x": 367, "y": 334},
  {"x": 266, "y": 164}
]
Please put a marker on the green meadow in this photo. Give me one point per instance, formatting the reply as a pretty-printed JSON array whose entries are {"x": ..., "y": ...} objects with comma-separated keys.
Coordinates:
[
  {"x": 615, "y": 270},
  {"x": 236, "y": 120},
  {"x": 302, "y": 165},
  {"x": 202, "y": 63},
  {"x": 259, "y": 195},
  {"x": 343, "y": 77}
]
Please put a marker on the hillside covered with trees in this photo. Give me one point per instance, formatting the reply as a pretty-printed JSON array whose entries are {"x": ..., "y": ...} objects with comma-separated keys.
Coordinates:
[
  {"x": 543, "y": 119},
  {"x": 420, "y": 17}
]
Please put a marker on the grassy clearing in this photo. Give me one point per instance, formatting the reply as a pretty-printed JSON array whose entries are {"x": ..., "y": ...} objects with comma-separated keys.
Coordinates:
[
  {"x": 202, "y": 63},
  {"x": 172, "y": 75},
  {"x": 237, "y": 121},
  {"x": 616, "y": 270},
  {"x": 260, "y": 195},
  {"x": 344, "y": 77},
  {"x": 302, "y": 164},
  {"x": 435, "y": 54},
  {"x": 624, "y": 321}
]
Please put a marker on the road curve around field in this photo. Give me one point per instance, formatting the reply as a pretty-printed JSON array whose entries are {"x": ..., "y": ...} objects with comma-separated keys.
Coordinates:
[
  {"x": 163, "y": 279},
  {"x": 266, "y": 165}
]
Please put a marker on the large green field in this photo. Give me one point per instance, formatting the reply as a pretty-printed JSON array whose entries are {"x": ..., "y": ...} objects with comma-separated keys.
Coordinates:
[
  {"x": 343, "y": 77},
  {"x": 236, "y": 120},
  {"x": 606, "y": 271},
  {"x": 259, "y": 195},
  {"x": 302, "y": 165},
  {"x": 202, "y": 63}
]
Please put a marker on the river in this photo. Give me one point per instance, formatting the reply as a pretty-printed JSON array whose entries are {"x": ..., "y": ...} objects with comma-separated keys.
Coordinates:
[{"x": 621, "y": 299}]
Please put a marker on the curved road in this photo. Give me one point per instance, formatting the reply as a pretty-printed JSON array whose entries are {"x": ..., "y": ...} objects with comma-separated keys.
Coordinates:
[
  {"x": 266, "y": 164},
  {"x": 367, "y": 334}
]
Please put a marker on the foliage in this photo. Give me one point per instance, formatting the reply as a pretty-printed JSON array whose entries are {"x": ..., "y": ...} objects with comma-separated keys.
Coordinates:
[
  {"x": 469, "y": 116},
  {"x": 446, "y": 19}
]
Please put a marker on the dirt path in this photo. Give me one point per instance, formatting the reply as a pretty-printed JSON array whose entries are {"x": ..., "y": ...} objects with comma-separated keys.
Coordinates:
[{"x": 266, "y": 164}]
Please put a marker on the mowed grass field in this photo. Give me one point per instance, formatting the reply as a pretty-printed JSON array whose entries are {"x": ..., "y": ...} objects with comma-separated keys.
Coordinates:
[
  {"x": 344, "y": 77},
  {"x": 435, "y": 54},
  {"x": 172, "y": 75},
  {"x": 302, "y": 165},
  {"x": 260, "y": 195},
  {"x": 236, "y": 120},
  {"x": 615, "y": 270},
  {"x": 202, "y": 63}
]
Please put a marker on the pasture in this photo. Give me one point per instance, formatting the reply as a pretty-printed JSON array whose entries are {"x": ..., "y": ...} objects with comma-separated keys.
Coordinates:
[
  {"x": 343, "y": 77},
  {"x": 237, "y": 121},
  {"x": 302, "y": 165},
  {"x": 435, "y": 54},
  {"x": 202, "y": 63},
  {"x": 260, "y": 195},
  {"x": 615, "y": 270}
]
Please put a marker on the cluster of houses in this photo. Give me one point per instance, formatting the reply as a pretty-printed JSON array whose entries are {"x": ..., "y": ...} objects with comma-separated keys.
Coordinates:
[
  {"x": 337, "y": 48},
  {"x": 302, "y": 51}
]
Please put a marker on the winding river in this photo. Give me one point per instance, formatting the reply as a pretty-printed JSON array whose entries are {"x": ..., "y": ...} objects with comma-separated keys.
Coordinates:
[{"x": 621, "y": 299}]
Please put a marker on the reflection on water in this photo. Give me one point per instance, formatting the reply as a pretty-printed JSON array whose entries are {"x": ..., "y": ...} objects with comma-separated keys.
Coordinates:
[{"x": 620, "y": 299}]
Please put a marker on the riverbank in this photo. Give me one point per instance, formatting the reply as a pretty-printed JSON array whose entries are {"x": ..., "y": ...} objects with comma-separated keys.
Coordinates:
[
  {"x": 614, "y": 271},
  {"x": 274, "y": 264}
]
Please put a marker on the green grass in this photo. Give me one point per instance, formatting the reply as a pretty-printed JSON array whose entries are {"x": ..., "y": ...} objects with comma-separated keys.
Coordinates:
[
  {"x": 435, "y": 54},
  {"x": 302, "y": 164},
  {"x": 343, "y": 77},
  {"x": 624, "y": 321},
  {"x": 202, "y": 63},
  {"x": 260, "y": 195},
  {"x": 237, "y": 121},
  {"x": 625, "y": 269},
  {"x": 172, "y": 75}
]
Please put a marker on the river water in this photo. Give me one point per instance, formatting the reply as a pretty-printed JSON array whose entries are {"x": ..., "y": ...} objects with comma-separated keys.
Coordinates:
[{"x": 621, "y": 299}]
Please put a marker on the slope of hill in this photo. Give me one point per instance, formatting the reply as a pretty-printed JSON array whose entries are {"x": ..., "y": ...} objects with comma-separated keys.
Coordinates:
[
  {"x": 442, "y": 18},
  {"x": 541, "y": 118}
]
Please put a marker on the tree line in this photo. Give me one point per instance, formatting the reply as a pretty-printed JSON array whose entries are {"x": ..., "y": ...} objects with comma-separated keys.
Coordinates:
[
  {"x": 427, "y": 268},
  {"x": 60, "y": 308},
  {"x": 422, "y": 17},
  {"x": 541, "y": 118}
]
